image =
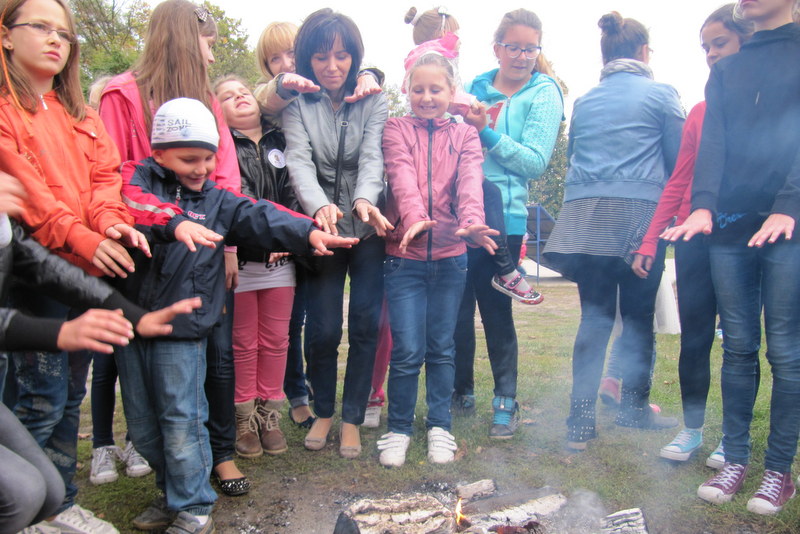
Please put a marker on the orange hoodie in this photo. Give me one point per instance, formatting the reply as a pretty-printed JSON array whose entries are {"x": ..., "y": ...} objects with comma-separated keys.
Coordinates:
[{"x": 70, "y": 169}]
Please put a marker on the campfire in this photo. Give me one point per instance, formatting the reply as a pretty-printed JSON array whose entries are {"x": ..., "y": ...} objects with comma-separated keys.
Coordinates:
[{"x": 475, "y": 508}]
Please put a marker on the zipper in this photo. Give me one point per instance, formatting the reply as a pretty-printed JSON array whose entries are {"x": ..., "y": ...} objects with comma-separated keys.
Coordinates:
[
  {"x": 430, "y": 187},
  {"x": 44, "y": 104},
  {"x": 508, "y": 178},
  {"x": 178, "y": 194}
]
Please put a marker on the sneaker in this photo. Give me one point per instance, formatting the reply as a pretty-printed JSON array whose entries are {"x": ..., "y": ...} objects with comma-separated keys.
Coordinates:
[
  {"x": 372, "y": 417},
  {"x": 393, "y": 447},
  {"x": 186, "y": 523},
  {"x": 77, "y": 520},
  {"x": 441, "y": 446},
  {"x": 524, "y": 294},
  {"x": 103, "y": 468},
  {"x": 135, "y": 465},
  {"x": 721, "y": 488},
  {"x": 775, "y": 491},
  {"x": 462, "y": 405},
  {"x": 685, "y": 443},
  {"x": 610, "y": 391},
  {"x": 716, "y": 459},
  {"x": 506, "y": 418},
  {"x": 156, "y": 516}
]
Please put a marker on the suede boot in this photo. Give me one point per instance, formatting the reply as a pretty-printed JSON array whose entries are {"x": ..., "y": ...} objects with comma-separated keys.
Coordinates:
[
  {"x": 272, "y": 439},
  {"x": 247, "y": 424}
]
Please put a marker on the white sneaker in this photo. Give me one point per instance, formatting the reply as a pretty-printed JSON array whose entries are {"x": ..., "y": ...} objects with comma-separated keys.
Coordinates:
[
  {"x": 393, "y": 447},
  {"x": 716, "y": 459},
  {"x": 372, "y": 417},
  {"x": 441, "y": 446},
  {"x": 103, "y": 468},
  {"x": 77, "y": 520},
  {"x": 135, "y": 465},
  {"x": 40, "y": 528}
]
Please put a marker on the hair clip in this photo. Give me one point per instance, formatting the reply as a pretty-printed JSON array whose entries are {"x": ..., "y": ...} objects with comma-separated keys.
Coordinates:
[
  {"x": 202, "y": 14},
  {"x": 444, "y": 14}
]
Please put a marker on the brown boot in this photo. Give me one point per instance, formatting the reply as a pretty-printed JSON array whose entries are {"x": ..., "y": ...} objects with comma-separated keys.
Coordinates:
[
  {"x": 272, "y": 439},
  {"x": 247, "y": 423}
]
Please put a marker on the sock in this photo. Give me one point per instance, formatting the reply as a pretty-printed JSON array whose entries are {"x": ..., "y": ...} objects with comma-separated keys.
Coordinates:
[{"x": 522, "y": 287}]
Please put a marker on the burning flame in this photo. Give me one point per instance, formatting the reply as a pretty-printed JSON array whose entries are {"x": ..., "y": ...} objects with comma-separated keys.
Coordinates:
[{"x": 461, "y": 519}]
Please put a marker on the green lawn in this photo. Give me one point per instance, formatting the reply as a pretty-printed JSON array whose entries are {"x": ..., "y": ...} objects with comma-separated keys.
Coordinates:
[{"x": 621, "y": 467}]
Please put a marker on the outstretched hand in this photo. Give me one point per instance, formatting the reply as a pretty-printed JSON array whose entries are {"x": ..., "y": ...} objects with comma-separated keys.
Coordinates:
[
  {"x": 96, "y": 330},
  {"x": 372, "y": 216},
  {"x": 112, "y": 258},
  {"x": 698, "y": 222},
  {"x": 322, "y": 241},
  {"x": 327, "y": 217},
  {"x": 365, "y": 85},
  {"x": 191, "y": 233},
  {"x": 294, "y": 82},
  {"x": 774, "y": 227},
  {"x": 480, "y": 235},
  {"x": 156, "y": 323},
  {"x": 129, "y": 236},
  {"x": 413, "y": 231}
]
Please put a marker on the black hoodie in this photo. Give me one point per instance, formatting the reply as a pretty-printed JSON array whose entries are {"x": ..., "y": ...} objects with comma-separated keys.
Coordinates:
[{"x": 748, "y": 166}]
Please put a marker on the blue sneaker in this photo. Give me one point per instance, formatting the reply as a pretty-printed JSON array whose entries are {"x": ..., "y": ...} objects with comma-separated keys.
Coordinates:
[
  {"x": 462, "y": 405},
  {"x": 717, "y": 458},
  {"x": 685, "y": 443},
  {"x": 506, "y": 418}
]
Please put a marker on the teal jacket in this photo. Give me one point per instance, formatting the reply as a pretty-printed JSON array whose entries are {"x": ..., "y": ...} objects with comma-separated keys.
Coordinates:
[{"x": 519, "y": 139}]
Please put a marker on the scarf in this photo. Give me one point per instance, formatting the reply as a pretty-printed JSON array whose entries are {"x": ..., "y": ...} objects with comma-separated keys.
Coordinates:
[{"x": 626, "y": 65}]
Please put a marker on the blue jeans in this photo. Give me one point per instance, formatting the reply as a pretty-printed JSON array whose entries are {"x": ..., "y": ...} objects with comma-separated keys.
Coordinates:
[
  {"x": 219, "y": 386},
  {"x": 294, "y": 382},
  {"x": 166, "y": 409},
  {"x": 423, "y": 298},
  {"x": 745, "y": 279},
  {"x": 48, "y": 391}
]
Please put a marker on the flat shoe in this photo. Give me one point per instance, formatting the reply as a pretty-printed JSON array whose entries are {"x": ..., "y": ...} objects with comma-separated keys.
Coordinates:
[
  {"x": 302, "y": 424},
  {"x": 349, "y": 452},
  {"x": 315, "y": 444},
  {"x": 234, "y": 487}
]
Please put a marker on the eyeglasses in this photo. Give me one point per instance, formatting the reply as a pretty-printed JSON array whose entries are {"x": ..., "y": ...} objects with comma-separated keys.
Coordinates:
[
  {"x": 44, "y": 29},
  {"x": 513, "y": 51}
]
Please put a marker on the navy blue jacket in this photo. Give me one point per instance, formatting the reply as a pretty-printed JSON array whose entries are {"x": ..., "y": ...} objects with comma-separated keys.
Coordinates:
[{"x": 174, "y": 272}]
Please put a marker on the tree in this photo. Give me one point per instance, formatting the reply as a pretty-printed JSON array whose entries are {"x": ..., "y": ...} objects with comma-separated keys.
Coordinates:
[
  {"x": 111, "y": 35},
  {"x": 231, "y": 52},
  {"x": 397, "y": 101}
]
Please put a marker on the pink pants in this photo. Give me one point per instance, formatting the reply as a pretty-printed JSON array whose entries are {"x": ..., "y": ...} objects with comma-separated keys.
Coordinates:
[{"x": 260, "y": 341}]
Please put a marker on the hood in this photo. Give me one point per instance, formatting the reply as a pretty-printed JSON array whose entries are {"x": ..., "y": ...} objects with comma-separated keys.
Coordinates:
[
  {"x": 483, "y": 90},
  {"x": 787, "y": 31}
]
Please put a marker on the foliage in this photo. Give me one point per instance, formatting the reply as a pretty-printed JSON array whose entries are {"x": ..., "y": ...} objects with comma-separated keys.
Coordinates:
[
  {"x": 111, "y": 34},
  {"x": 231, "y": 52},
  {"x": 397, "y": 101}
]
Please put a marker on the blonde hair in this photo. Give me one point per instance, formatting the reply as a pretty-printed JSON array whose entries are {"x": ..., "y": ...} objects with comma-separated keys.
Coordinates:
[
  {"x": 435, "y": 59},
  {"x": 96, "y": 90},
  {"x": 276, "y": 37},
  {"x": 172, "y": 64},
  {"x": 67, "y": 83},
  {"x": 229, "y": 78},
  {"x": 431, "y": 24}
]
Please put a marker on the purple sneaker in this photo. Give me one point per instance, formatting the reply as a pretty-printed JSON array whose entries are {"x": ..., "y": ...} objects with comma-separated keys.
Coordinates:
[
  {"x": 775, "y": 491},
  {"x": 723, "y": 486}
]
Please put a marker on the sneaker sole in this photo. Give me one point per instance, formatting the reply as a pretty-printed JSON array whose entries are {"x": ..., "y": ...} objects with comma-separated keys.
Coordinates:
[
  {"x": 762, "y": 507},
  {"x": 275, "y": 452},
  {"x": 676, "y": 456},
  {"x": 104, "y": 479},
  {"x": 714, "y": 463},
  {"x": 137, "y": 473},
  {"x": 713, "y": 495}
]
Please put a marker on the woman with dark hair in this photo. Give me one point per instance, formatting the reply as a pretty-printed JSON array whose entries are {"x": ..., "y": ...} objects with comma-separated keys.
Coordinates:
[
  {"x": 333, "y": 151},
  {"x": 609, "y": 198}
]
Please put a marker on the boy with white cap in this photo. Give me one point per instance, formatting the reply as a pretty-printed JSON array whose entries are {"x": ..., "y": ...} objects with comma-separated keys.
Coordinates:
[{"x": 162, "y": 379}]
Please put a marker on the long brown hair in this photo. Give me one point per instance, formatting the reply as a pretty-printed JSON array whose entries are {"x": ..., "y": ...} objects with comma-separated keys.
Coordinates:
[
  {"x": 66, "y": 83},
  {"x": 523, "y": 17},
  {"x": 172, "y": 64}
]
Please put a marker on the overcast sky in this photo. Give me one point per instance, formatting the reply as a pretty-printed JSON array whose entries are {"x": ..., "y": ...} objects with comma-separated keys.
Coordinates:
[{"x": 571, "y": 37}]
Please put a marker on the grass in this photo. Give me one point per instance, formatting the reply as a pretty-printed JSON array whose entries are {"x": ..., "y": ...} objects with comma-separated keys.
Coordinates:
[{"x": 621, "y": 469}]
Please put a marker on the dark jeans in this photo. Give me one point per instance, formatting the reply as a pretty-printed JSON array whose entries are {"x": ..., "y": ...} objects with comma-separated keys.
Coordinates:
[
  {"x": 220, "y": 386},
  {"x": 294, "y": 382},
  {"x": 498, "y": 325},
  {"x": 364, "y": 264},
  {"x": 423, "y": 299},
  {"x": 504, "y": 260},
  {"x": 697, "y": 309},
  {"x": 49, "y": 390},
  {"x": 104, "y": 397},
  {"x": 31, "y": 488},
  {"x": 745, "y": 278},
  {"x": 599, "y": 278}
]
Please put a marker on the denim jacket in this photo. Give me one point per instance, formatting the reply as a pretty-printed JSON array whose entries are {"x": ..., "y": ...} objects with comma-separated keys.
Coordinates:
[{"x": 624, "y": 139}]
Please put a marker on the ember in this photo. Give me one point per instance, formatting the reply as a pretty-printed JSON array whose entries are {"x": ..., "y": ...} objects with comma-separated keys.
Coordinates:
[{"x": 531, "y": 527}]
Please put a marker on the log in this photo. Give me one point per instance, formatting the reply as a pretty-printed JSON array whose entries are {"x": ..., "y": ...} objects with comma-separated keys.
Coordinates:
[{"x": 476, "y": 490}]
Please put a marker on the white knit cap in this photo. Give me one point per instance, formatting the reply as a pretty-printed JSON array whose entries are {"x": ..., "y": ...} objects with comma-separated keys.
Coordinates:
[{"x": 184, "y": 122}]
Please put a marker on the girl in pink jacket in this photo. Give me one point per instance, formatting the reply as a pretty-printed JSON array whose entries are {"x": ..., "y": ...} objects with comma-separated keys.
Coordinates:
[{"x": 435, "y": 203}]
